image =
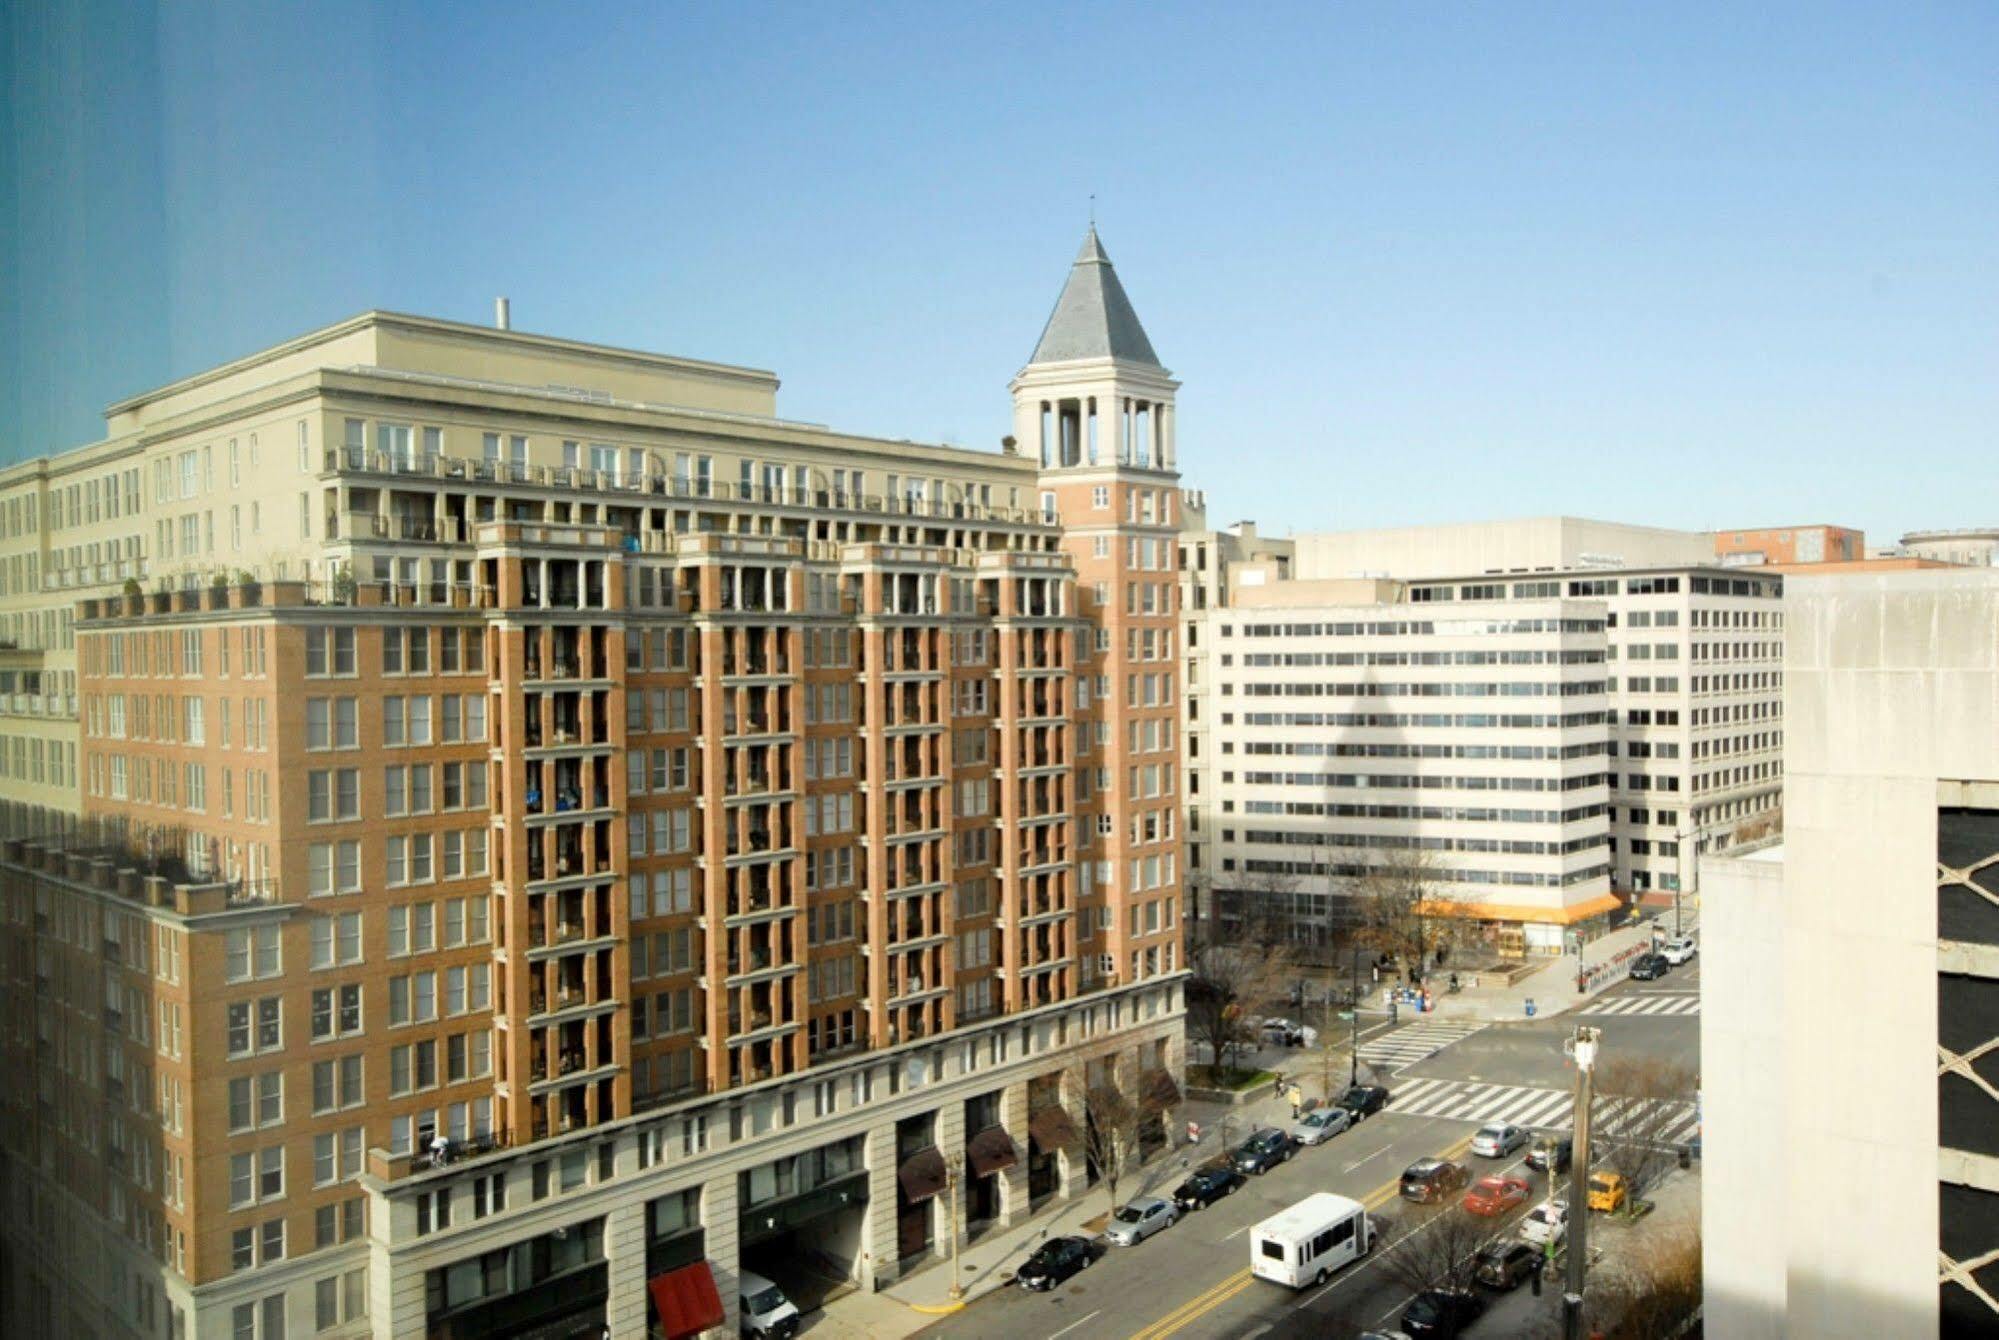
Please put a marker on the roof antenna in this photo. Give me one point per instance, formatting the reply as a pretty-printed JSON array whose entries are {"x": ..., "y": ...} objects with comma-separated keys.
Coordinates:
[{"x": 1093, "y": 211}]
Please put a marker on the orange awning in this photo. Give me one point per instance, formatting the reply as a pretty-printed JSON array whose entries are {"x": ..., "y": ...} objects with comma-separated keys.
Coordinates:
[
  {"x": 1556, "y": 916},
  {"x": 686, "y": 1300}
]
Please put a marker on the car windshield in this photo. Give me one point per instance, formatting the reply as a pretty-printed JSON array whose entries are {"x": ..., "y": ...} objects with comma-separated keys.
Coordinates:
[
  {"x": 1490, "y": 1132},
  {"x": 1598, "y": 1182},
  {"x": 765, "y": 1300},
  {"x": 1128, "y": 1214},
  {"x": 1427, "y": 1307}
]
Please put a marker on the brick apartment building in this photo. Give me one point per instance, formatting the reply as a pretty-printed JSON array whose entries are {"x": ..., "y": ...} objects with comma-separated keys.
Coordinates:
[{"x": 504, "y": 833}]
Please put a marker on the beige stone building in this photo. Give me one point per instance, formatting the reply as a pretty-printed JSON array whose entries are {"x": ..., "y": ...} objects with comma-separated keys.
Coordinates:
[
  {"x": 504, "y": 833},
  {"x": 1850, "y": 982}
]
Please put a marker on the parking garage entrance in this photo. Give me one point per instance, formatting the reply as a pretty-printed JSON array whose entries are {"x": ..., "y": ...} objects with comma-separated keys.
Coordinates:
[{"x": 803, "y": 1221}]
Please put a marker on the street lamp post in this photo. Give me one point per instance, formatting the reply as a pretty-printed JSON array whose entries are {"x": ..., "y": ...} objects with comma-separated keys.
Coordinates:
[
  {"x": 1582, "y": 1047},
  {"x": 951, "y": 1182}
]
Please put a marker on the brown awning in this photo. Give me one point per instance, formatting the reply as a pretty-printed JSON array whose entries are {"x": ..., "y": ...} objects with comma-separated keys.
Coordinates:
[
  {"x": 1050, "y": 1129},
  {"x": 686, "y": 1300},
  {"x": 921, "y": 1175},
  {"x": 1161, "y": 1091},
  {"x": 990, "y": 1150}
]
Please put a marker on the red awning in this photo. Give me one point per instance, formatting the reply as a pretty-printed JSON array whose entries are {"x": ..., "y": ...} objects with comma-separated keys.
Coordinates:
[
  {"x": 1051, "y": 1129},
  {"x": 922, "y": 1175},
  {"x": 990, "y": 1151},
  {"x": 686, "y": 1300}
]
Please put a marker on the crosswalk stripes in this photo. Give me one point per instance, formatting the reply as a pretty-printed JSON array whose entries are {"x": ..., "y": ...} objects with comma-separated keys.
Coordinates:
[
  {"x": 1406, "y": 1046},
  {"x": 1539, "y": 1109},
  {"x": 1654, "y": 1003}
]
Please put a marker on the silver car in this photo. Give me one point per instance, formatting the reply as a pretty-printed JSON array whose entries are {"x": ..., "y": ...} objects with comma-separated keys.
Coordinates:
[
  {"x": 1322, "y": 1125},
  {"x": 1137, "y": 1220},
  {"x": 1680, "y": 949},
  {"x": 1497, "y": 1140}
]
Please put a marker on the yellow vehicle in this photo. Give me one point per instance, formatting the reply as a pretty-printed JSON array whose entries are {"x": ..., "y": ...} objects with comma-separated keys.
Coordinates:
[{"x": 1606, "y": 1190}]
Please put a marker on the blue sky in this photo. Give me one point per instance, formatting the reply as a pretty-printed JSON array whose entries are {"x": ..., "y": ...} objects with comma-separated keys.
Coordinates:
[{"x": 1691, "y": 265}]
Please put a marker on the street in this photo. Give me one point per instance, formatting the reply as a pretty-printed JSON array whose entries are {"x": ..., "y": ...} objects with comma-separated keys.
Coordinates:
[{"x": 1193, "y": 1282}]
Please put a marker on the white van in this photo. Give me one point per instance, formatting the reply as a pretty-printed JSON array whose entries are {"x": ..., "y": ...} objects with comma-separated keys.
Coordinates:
[
  {"x": 1308, "y": 1242},
  {"x": 766, "y": 1313}
]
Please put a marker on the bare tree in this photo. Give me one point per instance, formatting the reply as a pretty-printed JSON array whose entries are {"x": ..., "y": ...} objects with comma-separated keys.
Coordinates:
[
  {"x": 1111, "y": 1122},
  {"x": 1395, "y": 899},
  {"x": 1440, "y": 1246},
  {"x": 1651, "y": 1295},
  {"x": 1638, "y": 1100},
  {"x": 1231, "y": 980}
]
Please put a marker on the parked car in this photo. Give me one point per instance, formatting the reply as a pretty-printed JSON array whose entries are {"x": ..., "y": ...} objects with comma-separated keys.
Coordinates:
[
  {"x": 1545, "y": 1223},
  {"x": 1263, "y": 1151},
  {"x": 1606, "y": 1190},
  {"x": 1648, "y": 967},
  {"x": 1429, "y": 1180},
  {"x": 765, "y": 1312},
  {"x": 1055, "y": 1261},
  {"x": 1321, "y": 1124},
  {"x": 1205, "y": 1186},
  {"x": 1136, "y": 1220},
  {"x": 1680, "y": 949},
  {"x": 1496, "y": 1195},
  {"x": 1441, "y": 1313},
  {"x": 1364, "y": 1100},
  {"x": 1503, "y": 1265},
  {"x": 1550, "y": 1154},
  {"x": 1498, "y": 1139}
]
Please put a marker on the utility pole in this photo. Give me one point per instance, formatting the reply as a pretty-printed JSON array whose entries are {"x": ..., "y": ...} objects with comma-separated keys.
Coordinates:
[{"x": 1582, "y": 1048}]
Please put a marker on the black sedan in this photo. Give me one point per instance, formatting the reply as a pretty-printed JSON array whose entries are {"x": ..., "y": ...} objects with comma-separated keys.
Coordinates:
[
  {"x": 1441, "y": 1313},
  {"x": 1649, "y": 967},
  {"x": 1054, "y": 1261},
  {"x": 1364, "y": 1100},
  {"x": 1263, "y": 1151},
  {"x": 1205, "y": 1187},
  {"x": 1550, "y": 1155},
  {"x": 1503, "y": 1265}
]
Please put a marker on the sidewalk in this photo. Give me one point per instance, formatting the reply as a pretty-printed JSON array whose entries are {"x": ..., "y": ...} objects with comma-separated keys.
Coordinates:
[{"x": 1553, "y": 987}]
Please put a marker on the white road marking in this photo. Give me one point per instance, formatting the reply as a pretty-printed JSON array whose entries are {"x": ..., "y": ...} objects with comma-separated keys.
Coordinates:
[
  {"x": 1239, "y": 1232},
  {"x": 1074, "y": 1324},
  {"x": 1369, "y": 1159}
]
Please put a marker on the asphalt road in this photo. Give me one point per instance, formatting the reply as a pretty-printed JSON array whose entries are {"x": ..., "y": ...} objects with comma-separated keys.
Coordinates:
[{"x": 1192, "y": 1282}]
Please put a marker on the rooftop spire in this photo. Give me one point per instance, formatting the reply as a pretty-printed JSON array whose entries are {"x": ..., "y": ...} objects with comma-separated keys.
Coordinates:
[{"x": 1093, "y": 318}]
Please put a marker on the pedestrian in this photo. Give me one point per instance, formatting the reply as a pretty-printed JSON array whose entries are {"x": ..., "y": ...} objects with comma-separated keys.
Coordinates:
[
  {"x": 1297, "y": 1102},
  {"x": 1376, "y": 970}
]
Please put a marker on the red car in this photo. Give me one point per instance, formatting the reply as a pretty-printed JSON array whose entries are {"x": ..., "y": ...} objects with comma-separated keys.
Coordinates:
[{"x": 1496, "y": 1195}]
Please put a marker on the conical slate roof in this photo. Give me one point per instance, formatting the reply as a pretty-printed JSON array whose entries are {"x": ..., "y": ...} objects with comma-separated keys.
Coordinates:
[{"x": 1093, "y": 317}]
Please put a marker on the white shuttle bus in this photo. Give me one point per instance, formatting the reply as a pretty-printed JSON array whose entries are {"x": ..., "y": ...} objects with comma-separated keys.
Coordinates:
[{"x": 1308, "y": 1242}]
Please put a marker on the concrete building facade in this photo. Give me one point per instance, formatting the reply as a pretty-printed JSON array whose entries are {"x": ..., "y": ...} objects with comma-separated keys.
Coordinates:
[
  {"x": 594, "y": 836},
  {"x": 1343, "y": 727},
  {"x": 1692, "y": 682},
  {"x": 1972, "y": 547},
  {"x": 1850, "y": 1008}
]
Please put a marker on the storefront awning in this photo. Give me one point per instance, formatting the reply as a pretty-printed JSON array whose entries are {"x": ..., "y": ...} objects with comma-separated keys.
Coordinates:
[
  {"x": 1161, "y": 1092},
  {"x": 921, "y": 1175},
  {"x": 990, "y": 1151},
  {"x": 1050, "y": 1129},
  {"x": 686, "y": 1300}
]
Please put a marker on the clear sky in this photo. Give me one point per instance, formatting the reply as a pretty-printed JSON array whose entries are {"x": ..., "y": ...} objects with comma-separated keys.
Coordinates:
[{"x": 1691, "y": 265}]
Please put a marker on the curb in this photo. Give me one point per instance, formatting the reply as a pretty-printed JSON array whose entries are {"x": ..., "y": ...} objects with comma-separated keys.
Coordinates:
[{"x": 936, "y": 1309}]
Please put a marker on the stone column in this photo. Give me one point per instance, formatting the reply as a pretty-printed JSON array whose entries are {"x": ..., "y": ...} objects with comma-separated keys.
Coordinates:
[
  {"x": 1013, "y": 1181},
  {"x": 1072, "y": 1166},
  {"x": 721, "y": 1216},
  {"x": 878, "y": 1263},
  {"x": 625, "y": 1257}
]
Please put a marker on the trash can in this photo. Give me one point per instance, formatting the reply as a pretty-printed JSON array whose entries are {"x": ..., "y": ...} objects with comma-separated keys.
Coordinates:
[{"x": 1530, "y": 1007}]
